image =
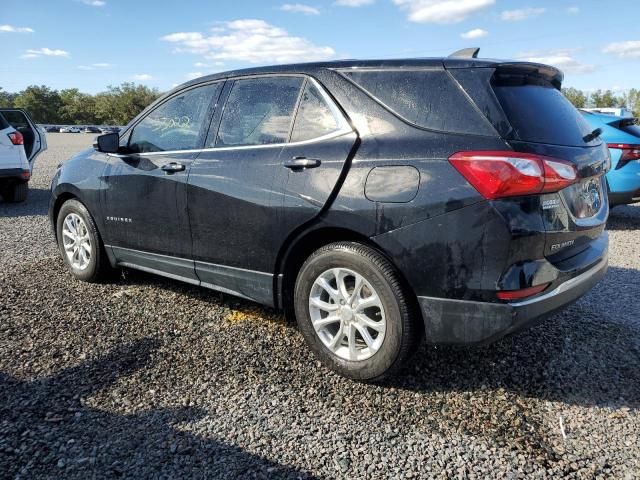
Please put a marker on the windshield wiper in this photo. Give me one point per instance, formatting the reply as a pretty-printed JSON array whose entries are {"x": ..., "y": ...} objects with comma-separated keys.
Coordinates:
[{"x": 592, "y": 136}]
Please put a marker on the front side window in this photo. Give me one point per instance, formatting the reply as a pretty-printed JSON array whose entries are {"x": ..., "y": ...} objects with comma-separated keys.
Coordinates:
[
  {"x": 259, "y": 111},
  {"x": 314, "y": 118},
  {"x": 176, "y": 124}
]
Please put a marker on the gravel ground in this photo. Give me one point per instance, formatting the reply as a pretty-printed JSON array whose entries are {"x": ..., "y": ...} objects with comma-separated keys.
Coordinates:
[{"x": 145, "y": 377}]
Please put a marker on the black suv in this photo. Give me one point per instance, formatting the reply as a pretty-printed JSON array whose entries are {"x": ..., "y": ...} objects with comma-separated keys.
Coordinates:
[{"x": 377, "y": 200}]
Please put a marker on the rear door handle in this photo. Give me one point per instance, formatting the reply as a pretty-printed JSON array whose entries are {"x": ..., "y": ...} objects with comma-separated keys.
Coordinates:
[
  {"x": 173, "y": 167},
  {"x": 301, "y": 163}
]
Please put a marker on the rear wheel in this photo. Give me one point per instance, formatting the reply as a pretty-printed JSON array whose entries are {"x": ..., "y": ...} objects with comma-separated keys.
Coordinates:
[
  {"x": 80, "y": 243},
  {"x": 15, "y": 192},
  {"x": 353, "y": 312}
]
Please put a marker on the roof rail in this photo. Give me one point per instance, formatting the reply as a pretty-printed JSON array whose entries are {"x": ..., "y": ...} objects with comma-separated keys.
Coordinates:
[{"x": 466, "y": 53}]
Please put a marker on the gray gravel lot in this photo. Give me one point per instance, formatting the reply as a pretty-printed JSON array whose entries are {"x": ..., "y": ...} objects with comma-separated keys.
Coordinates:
[{"x": 145, "y": 377}]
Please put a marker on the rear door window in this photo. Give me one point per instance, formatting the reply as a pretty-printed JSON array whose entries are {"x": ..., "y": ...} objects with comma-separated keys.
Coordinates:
[
  {"x": 314, "y": 118},
  {"x": 539, "y": 112},
  {"x": 430, "y": 99},
  {"x": 259, "y": 111}
]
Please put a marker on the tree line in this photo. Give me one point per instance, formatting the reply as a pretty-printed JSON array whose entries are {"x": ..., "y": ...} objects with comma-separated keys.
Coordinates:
[
  {"x": 604, "y": 98},
  {"x": 118, "y": 105},
  {"x": 115, "y": 106}
]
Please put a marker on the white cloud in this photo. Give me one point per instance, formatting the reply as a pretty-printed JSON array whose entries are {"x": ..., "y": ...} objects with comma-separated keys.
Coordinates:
[
  {"x": 208, "y": 65},
  {"x": 441, "y": 11},
  {"x": 46, "y": 52},
  {"x": 249, "y": 40},
  {"x": 630, "y": 49},
  {"x": 572, "y": 10},
  {"x": 94, "y": 3},
  {"x": 192, "y": 75},
  {"x": 94, "y": 66},
  {"x": 353, "y": 3},
  {"x": 12, "y": 29},
  {"x": 141, "y": 77},
  {"x": 521, "y": 14},
  {"x": 562, "y": 59},
  {"x": 475, "y": 33},
  {"x": 300, "y": 8}
]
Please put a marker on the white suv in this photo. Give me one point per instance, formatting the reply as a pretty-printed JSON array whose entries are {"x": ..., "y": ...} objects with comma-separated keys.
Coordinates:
[{"x": 21, "y": 141}]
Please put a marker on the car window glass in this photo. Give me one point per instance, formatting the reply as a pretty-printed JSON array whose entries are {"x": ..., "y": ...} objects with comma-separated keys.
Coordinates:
[
  {"x": 176, "y": 124},
  {"x": 16, "y": 119},
  {"x": 426, "y": 98},
  {"x": 259, "y": 111},
  {"x": 314, "y": 117}
]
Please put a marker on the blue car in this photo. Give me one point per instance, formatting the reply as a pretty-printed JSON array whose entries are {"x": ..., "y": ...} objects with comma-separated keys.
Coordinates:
[{"x": 622, "y": 135}]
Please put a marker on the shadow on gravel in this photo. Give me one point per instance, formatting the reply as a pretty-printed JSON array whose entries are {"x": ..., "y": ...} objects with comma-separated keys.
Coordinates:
[
  {"x": 586, "y": 355},
  {"x": 37, "y": 203},
  {"x": 48, "y": 429}
]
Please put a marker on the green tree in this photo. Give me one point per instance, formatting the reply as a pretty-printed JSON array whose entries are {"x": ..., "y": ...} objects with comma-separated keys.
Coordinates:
[
  {"x": 603, "y": 99},
  {"x": 632, "y": 101},
  {"x": 575, "y": 96},
  {"x": 6, "y": 99},
  {"x": 77, "y": 107},
  {"x": 41, "y": 102},
  {"x": 118, "y": 105}
]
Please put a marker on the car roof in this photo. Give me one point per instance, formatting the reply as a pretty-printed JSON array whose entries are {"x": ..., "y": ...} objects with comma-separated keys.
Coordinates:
[{"x": 436, "y": 62}]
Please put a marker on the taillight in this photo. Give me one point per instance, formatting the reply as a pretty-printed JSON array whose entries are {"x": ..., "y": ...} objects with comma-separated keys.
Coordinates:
[
  {"x": 507, "y": 174},
  {"x": 629, "y": 153},
  {"x": 520, "y": 294},
  {"x": 16, "y": 138}
]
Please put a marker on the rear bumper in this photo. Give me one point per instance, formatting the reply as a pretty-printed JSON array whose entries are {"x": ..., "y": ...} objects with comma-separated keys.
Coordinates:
[
  {"x": 468, "y": 322},
  {"x": 17, "y": 174}
]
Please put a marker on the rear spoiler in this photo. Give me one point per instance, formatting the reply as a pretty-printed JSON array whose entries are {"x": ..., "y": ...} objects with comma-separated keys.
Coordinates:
[{"x": 530, "y": 70}]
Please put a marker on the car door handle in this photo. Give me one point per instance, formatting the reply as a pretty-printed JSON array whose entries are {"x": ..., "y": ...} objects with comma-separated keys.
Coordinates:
[
  {"x": 173, "y": 167},
  {"x": 300, "y": 163}
]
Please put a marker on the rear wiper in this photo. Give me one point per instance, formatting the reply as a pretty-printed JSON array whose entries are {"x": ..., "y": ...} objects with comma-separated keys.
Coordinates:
[{"x": 592, "y": 136}]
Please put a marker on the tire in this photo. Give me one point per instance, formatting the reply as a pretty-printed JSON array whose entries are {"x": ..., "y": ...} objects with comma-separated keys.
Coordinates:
[
  {"x": 372, "y": 359},
  {"x": 97, "y": 266},
  {"x": 16, "y": 193}
]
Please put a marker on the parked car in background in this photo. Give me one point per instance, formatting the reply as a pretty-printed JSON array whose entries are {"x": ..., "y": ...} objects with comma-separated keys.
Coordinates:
[
  {"x": 615, "y": 111},
  {"x": 92, "y": 130},
  {"x": 21, "y": 141},
  {"x": 52, "y": 129},
  {"x": 70, "y": 130},
  {"x": 457, "y": 199},
  {"x": 622, "y": 136}
]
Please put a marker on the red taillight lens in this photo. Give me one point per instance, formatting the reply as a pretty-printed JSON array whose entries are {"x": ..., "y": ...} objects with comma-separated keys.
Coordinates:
[
  {"x": 629, "y": 152},
  {"x": 16, "y": 138},
  {"x": 519, "y": 294},
  {"x": 508, "y": 174}
]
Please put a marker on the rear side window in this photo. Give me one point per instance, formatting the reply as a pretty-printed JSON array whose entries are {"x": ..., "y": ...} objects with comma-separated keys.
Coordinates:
[
  {"x": 539, "y": 112},
  {"x": 3, "y": 123},
  {"x": 427, "y": 98},
  {"x": 314, "y": 118},
  {"x": 176, "y": 124},
  {"x": 259, "y": 111}
]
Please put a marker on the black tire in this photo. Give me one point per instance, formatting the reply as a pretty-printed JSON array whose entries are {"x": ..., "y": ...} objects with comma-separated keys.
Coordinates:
[
  {"x": 98, "y": 268},
  {"x": 402, "y": 334},
  {"x": 16, "y": 193}
]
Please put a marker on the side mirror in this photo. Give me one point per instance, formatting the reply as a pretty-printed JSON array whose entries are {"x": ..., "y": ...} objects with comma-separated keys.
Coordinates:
[{"x": 107, "y": 143}]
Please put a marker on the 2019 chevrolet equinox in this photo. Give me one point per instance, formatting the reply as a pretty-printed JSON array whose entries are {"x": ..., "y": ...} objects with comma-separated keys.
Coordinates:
[{"x": 456, "y": 199}]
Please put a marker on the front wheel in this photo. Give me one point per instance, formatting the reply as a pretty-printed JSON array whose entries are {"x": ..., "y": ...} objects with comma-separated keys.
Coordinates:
[
  {"x": 80, "y": 243},
  {"x": 353, "y": 312}
]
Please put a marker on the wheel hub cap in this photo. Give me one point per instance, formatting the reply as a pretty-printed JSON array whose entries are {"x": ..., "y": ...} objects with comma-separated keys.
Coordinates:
[
  {"x": 76, "y": 241},
  {"x": 347, "y": 314}
]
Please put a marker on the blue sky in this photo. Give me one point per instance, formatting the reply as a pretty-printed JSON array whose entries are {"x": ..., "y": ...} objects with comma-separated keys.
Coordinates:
[{"x": 90, "y": 44}]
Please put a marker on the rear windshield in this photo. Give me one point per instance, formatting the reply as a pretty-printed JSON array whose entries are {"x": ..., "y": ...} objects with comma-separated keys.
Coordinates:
[
  {"x": 3, "y": 123},
  {"x": 426, "y": 98},
  {"x": 631, "y": 128},
  {"x": 538, "y": 112}
]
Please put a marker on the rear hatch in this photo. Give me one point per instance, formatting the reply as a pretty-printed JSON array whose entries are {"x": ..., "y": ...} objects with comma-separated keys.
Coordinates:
[{"x": 524, "y": 103}]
